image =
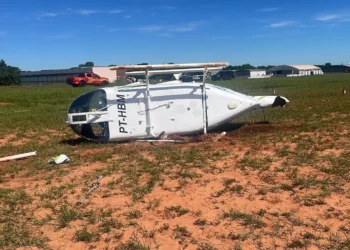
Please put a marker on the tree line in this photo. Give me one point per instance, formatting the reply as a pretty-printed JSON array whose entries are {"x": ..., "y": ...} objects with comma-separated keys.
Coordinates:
[
  {"x": 9, "y": 75},
  {"x": 247, "y": 66}
]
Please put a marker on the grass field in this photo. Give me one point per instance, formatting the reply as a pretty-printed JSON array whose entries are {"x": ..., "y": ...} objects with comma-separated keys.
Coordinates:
[{"x": 280, "y": 184}]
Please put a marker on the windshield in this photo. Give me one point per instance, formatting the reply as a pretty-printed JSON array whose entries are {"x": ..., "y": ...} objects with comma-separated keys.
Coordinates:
[{"x": 91, "y": 102}]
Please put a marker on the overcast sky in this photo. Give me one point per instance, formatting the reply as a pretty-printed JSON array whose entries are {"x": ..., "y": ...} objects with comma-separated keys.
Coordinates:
[{"x": 36, "y": 34}]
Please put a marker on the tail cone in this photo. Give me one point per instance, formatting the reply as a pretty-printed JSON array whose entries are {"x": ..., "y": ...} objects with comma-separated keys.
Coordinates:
[
  {"x": 279, "y": 101},
  {"x": 271, "y": 101}
]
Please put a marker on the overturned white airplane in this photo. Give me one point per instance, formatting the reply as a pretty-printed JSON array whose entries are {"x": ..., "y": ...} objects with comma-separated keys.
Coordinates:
[{"x": 150, "y": 111}]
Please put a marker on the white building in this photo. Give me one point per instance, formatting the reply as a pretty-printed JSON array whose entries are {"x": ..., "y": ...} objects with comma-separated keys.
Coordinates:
[
  {"x": 251, "y": 73},
  {"x": 295, "y": 70}
]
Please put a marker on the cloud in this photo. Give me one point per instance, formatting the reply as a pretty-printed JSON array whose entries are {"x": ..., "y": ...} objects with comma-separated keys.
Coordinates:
[
  {"x": 87, "y": 12},
  {"x": 166, "y": 35},
  {"x": 151, "y": 28},
  {"x": 115, "y": 11},
  {"x": 326, "y": 18},
  {"x": 84, "y": 12},
  {"x": 281, "y": 24},
  {"x": 165, "y": 7},
  {"x": 48, "y": 14},
  {"x": 340, "y": 16},
  {"x": 186, "y": 27},
  {"x": 268, "y": 9},
  {"x": 127, "y": 16},
  {"x": 44, "y": 14}
]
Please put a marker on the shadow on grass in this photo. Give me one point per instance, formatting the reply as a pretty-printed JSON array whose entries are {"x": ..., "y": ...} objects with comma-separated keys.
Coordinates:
[
  {"x": 232, "y": 127},
  {"x": 76, "y": 142},
  {"x": 263, "y": 126}
]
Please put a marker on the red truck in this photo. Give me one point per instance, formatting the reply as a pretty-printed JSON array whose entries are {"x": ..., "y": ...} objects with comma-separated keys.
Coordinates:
[{"x": 87, "y": 78}]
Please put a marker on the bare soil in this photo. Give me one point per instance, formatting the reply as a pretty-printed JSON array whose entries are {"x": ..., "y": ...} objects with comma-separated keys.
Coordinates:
[{"x": 263, "y": 215}]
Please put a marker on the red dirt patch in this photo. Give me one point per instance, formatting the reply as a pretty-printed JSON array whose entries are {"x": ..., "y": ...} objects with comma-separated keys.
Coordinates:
[{"x": 223, "y": 203}]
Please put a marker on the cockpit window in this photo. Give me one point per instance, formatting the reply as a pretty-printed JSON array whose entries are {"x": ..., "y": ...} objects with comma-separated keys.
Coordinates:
[{"x": 92, "y": 101}]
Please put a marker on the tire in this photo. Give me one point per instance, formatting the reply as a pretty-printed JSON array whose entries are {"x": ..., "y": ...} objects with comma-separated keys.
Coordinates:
[
  {"x": 82, "y": 84},
  {"x": 104, "y": 83}
]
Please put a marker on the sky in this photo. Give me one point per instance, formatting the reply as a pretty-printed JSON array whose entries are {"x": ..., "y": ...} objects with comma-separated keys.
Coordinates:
[{"x": 37, "y": 34}]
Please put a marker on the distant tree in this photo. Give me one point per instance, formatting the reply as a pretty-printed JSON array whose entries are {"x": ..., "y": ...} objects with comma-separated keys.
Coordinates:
[
  {"x": 170, "y": 63},
  {"x": 142, "y": 64},
  {"x": 238, "y": 67},
  {"x": 87, "y": 64},
  {"x": 247, "y": 66},
  {"x": 9, "y": 75},
  {"x": 328, "y": 64}
]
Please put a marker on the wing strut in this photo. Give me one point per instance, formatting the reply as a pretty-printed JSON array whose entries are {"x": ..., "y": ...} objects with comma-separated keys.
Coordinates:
[
  {"x": 148, "y": 107},
  {"x": 204, "y": 102}
]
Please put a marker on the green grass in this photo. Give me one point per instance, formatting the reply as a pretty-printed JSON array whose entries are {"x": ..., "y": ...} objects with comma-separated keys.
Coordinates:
[
  {"x": 67, "y": 214},
  {"x": 246, "y": 219},
  {"x": 42, "y": 109},
  {"x": 134, "y": 243},
  {"x": 15, "y": 230},
  {"x": 85, "y": 235},
  {"x": 175, "y": 211},
  {"x": 133, "y": 214}
]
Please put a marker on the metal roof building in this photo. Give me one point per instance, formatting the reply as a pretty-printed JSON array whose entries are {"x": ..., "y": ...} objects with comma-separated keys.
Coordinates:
[
  {"x": 295, "y": 70},
  {"x": 59, "y": 75}
]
